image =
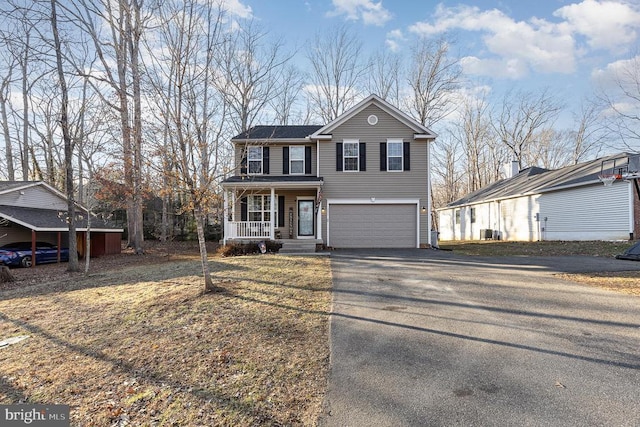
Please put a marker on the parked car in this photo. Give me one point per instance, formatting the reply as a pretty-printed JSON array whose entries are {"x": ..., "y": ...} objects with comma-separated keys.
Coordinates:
[{"x": 19, "y": 254}]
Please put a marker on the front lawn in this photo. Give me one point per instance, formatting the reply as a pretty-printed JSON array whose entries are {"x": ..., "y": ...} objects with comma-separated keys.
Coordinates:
[{"x": 142, "y": 345}]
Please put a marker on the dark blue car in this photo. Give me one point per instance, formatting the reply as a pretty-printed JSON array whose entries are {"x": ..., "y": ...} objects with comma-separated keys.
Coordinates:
[{"x": 19, "y": 254}]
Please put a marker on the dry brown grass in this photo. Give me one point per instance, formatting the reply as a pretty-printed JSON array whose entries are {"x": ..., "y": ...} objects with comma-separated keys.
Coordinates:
[
  {"x": 626, "y": 281},
  {"x": 142, "y": 345},
  {"x": 546, "y": 248}
]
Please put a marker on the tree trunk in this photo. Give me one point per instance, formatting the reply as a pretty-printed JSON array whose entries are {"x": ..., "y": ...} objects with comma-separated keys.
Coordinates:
[
  {"x": 208, "y": 283},
  {"x": 7, "y": 137},
  {"x": 68, "y": 146},
  {"x": 5, "y": 275}
]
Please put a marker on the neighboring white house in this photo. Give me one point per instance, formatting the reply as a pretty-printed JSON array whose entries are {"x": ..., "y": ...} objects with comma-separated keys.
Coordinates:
[{"x": 539, "y": 204}]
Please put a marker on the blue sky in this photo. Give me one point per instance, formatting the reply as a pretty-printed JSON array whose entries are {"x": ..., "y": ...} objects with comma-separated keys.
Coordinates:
[{"x": 559, "y": 44}]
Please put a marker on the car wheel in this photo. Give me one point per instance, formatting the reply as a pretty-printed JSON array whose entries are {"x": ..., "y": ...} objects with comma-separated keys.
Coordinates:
[{"x": 26, "y": 261}]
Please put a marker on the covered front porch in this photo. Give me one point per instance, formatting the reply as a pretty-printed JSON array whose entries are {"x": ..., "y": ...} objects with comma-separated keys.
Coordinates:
[{"x": 272, "y": 208}]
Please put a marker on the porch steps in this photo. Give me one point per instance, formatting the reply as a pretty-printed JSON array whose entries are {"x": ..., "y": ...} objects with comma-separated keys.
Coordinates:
[{"x": 297, "y": 247}]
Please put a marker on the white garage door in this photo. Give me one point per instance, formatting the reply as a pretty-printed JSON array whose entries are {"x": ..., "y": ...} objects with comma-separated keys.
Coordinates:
[{"x": 372, "y": 226}]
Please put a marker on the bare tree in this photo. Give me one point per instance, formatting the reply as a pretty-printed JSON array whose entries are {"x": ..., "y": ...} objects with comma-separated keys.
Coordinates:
[
  {"x": 620, "y": 96},
  {"x": 447, "y": 168},
  {"x": 125, "y": 21},
  {"x": 186, "y": 95},
  {"x": 5, "y": 83},
  {"x": 587, "y": 136},
  {"x": 336, "y": 71},
  {"x": 521, "y": 119},
  {"x": 474, "y": 132},
  {"x": 283, "y": 103},
  {"x": 384, "y": 76},
  {"x": 249, "y": 67},
  {"x": 433, "y": 77},
  {"x": 68, "y": 144}
]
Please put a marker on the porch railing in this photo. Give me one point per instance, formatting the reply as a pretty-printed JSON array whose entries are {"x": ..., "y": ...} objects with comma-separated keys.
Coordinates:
[{"x": 248, "y": 229}]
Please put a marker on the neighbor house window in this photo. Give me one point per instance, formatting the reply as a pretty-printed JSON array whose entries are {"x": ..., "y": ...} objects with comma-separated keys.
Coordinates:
[
  {"x": 296, "y": 160},
  {"x": 350, "y": 155},
  {"x": 457, "y": 214},
  {"x": 254, "y": 158},
  {"x": 394, "y": 155},
  {"x": 473, "y": 215},
  {"x": 259, "y": 208}
]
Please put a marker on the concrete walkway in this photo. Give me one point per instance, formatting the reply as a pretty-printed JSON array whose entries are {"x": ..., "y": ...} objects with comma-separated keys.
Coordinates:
[{"x": 429, "y": 338}]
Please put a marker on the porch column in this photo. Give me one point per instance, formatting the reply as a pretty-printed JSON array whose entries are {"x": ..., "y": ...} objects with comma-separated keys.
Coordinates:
[
  {"x": 319, "y": 220},
  {"x": 272, "y": 226},
  {"x": 225, "y": 213}
]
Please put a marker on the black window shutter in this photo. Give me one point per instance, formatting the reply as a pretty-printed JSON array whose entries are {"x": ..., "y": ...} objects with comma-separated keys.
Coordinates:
[
  {"x": 280, "y": 211},
  {"x": 307, "y": 160},
  {"x": 339, "y": 156},
  {"x": 363, "y": 156},
  {"x": 285, "y": 160},
  {"x": 243, "y": 164},
  {"x": 243, "y": 209},
  {"x": 383, "y": 156},
  {"x": 265, "y": 160},
  {"x": 406, "y": 153}
]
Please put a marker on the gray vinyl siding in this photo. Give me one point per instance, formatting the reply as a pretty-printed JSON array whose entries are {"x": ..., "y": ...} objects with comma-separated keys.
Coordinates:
[
  {"x": 276, "y": 157},
  {"x": 373, "y": 182},
  {"x": 410, "y": 184},
  {"x": 593, "y": 212},
  {"x": 33, "y": 197}
]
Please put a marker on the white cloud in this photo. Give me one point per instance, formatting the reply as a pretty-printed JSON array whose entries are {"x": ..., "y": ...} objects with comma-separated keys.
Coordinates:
[
  {"x": 610, "y": 25},
  {"x": 501, "y": 68},
  {"x": 235, "y": 7},
  {"x": 625, "y": 73},
  {"x": 515, "y": 46},
  {"x": 394, "y": 40},
  {"x": 369, "y": 11}
]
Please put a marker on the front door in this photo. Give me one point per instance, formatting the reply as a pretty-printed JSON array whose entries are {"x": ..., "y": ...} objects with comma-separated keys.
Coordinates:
[{"x": 305, "y": 218}]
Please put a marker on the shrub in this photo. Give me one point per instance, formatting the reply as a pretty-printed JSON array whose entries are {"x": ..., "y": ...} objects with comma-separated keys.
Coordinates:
[{"x": 238, "y": 249}]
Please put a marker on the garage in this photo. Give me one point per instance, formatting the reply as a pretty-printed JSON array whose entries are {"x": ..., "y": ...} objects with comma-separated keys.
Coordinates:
[{"x": 372, "y": 225}]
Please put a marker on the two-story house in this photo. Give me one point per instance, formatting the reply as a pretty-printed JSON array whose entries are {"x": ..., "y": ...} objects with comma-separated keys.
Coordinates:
[{"x": 361, "y": 181}]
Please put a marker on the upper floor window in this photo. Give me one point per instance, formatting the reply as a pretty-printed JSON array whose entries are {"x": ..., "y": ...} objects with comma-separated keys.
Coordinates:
[
  {"x": 254, "y": 157},
  {"x": 394, "y": 155},
  {"x": 296, "y": 160},
  {"x": 351, "y": 155}
]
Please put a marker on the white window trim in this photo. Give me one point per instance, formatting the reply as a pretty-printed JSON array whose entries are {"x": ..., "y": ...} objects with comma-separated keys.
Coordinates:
[
  {"x": 344, "y": 158},
  {"x": 291, "y": 160},
  {"x": 263, "y": 210},
  {"x": 255, "y": 160},
  {"x": 396, "y": 141}
]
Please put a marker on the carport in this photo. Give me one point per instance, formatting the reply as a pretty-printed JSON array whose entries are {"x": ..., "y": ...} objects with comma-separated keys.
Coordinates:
[{"x": 33, "y": 224}]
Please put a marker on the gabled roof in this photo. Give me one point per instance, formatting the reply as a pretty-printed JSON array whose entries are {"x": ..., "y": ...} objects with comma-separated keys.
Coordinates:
[
  {"x": 277, "y": 132},
  {"x": 8, "y": 186},
  {"x": 51, "y": 219},
  {"x": 384, "y": 106},
  {"x": 536, "y": 180}
]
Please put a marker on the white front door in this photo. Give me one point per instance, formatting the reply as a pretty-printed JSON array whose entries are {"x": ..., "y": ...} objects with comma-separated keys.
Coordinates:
[{"x": 306, "y": 218}]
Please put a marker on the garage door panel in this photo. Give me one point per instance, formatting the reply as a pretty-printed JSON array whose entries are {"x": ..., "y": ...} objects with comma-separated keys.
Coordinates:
[{"x": 372, "y": 226}]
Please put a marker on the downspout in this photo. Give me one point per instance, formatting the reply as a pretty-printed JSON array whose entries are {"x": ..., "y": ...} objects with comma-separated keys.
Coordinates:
[
  {"x": 428, "y": 196},
  {"x": 631, "y": 210}
]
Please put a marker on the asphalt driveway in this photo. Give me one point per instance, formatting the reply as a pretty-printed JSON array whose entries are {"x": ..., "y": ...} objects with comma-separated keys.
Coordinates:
[{"x": 428, "y": 338}]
